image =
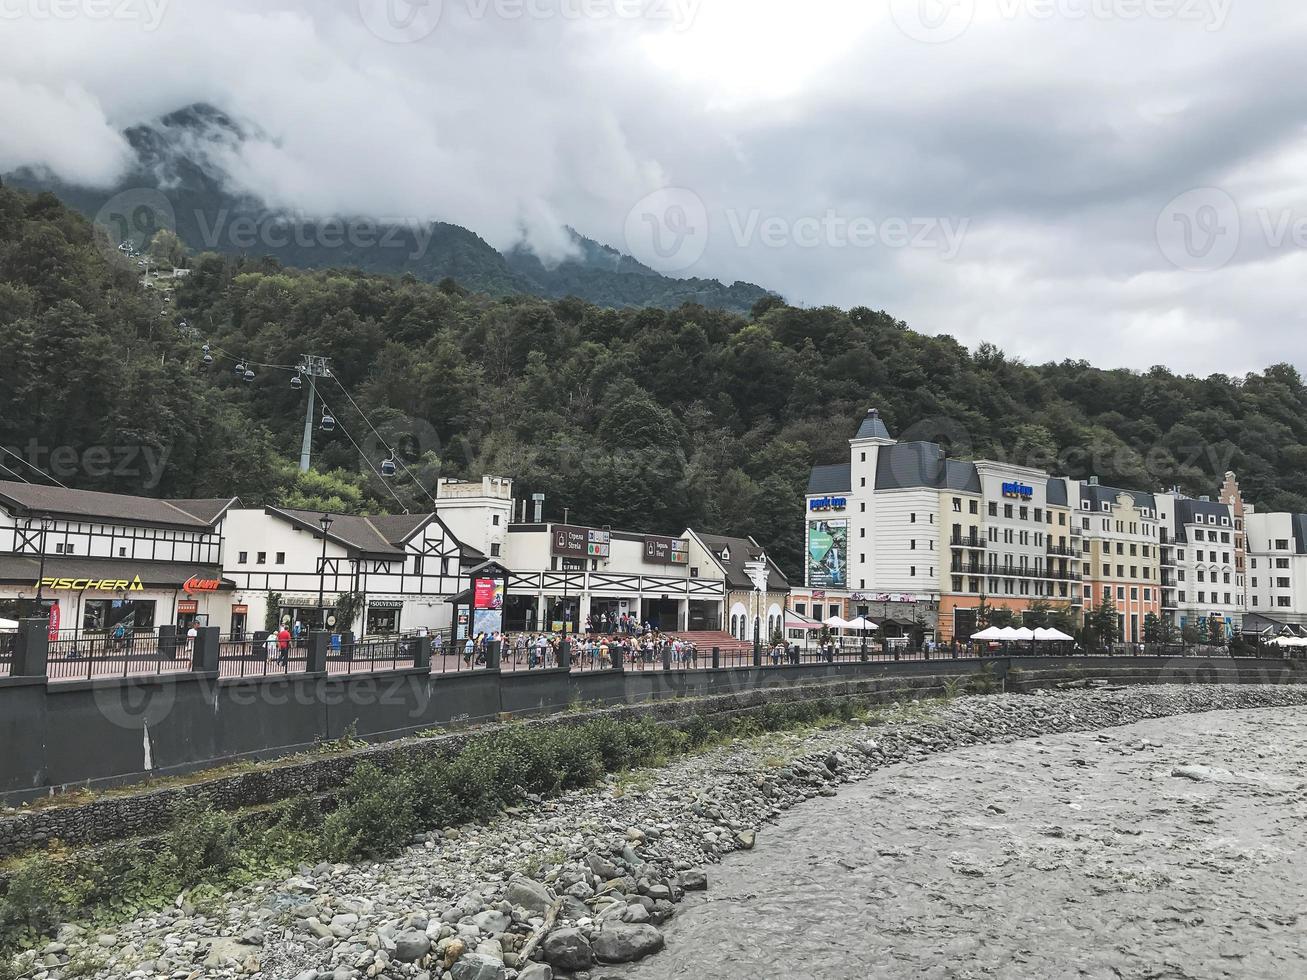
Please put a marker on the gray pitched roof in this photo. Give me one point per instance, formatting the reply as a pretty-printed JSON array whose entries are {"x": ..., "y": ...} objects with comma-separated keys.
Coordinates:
[
  {"x": 923, "y": 464},
  {"x": 1300, "y": 533},
  {"x": 830, "y": 479},
  {"x": 382, "y": 534},
  {"x": 1098, "y": 495},
  {"x": 29, "y": 500},
  {"x": 1056, "y": 495},
  {"x": 1188, "y": 510},
  {"x": 872, "y": 426},
  {"x": 742, "y": 550}
]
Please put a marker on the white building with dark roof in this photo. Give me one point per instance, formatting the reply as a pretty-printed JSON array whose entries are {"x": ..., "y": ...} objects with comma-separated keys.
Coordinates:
[{"x": 101, "y": 559}]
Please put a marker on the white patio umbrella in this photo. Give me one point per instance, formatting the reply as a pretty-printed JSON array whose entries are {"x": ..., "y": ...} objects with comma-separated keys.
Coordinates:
[
  {"x": 1008, "y": 633},
  {"x": 838, "y": 622},
  {"x": 861, "y": 623},
  {"x": 988, "y": 633},
  {"x": 1055, "y": 635},
  {"x": 8, "y": 624},
  {"x": 1024, "y": 633}
]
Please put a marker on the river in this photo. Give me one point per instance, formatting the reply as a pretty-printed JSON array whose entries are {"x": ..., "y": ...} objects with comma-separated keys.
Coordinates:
[{"x": 1174, "y": 848}]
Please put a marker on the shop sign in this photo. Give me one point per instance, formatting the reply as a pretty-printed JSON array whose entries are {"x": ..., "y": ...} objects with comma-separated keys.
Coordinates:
[
  {"x": 196, "y": 584},
  {"x": 581, "y": 542},
  {"x": 1018, "y": 490},
  {"x": 385, "y": 603},
  {"x": 92, "y": 584},
  {"x": 666, "y": 551},
  {"x": 242, "y": 610},
  {"x": 827, "y": 503},
  {"x": 187, "y": 606}
]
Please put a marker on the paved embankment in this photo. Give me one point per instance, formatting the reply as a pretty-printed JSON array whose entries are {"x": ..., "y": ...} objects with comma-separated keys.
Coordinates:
[{"x": 610, "y": 863}]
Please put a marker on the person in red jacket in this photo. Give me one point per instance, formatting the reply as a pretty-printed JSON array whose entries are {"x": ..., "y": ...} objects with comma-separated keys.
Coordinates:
[{"x": 283, "y": 645}]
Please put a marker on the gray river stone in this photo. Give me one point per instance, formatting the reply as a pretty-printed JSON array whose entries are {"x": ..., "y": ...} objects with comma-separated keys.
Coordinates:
[{"x": 1094, "y": 854}]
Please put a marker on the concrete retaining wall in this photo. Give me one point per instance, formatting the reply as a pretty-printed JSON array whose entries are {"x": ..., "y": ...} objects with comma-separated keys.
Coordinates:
[{"x": 105, "y": 733}]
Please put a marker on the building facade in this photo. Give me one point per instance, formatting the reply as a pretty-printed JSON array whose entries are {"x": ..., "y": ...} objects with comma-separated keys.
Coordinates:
[
  {"x": 1277, "y": 566},
  {"x": 404, "y": 569},
  {"x": 100, "y": 560}
]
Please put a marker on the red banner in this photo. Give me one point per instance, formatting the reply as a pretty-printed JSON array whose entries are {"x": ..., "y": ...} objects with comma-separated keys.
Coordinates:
[
  {"x": 54, "y": 621},
  {"x": 487, "y": 593}
]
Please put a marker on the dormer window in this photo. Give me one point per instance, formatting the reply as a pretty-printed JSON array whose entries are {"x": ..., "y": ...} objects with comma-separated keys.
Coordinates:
[{"x": 726, "y": 554}]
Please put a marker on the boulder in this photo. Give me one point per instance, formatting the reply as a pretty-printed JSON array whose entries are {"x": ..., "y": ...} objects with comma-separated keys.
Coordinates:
[
  {"x": 411, "y": 946},
  {"x": 626, "y": 943},
  {"x": 528, "y": 894},
  {"x": 475, "y": 966},
  {"x": 536, "y": 971},
  {"x": 567, "y": 949}
]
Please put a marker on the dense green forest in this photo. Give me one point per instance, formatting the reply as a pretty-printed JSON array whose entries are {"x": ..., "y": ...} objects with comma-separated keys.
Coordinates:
[{"x": 646, "y": 419}]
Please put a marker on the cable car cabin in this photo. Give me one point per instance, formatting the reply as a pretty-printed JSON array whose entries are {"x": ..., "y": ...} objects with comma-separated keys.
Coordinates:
[
  {"x": 328, "y": 423},
  {"x": 387, "y": 467},
  {"x": 295, "y": 383},
  {"x": 249, "y": 375}
]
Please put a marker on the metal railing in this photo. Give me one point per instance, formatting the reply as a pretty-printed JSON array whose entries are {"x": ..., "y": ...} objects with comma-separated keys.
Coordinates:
[
  {"x": 8, "y": 643},
  {"x": 81, "y": 655}
]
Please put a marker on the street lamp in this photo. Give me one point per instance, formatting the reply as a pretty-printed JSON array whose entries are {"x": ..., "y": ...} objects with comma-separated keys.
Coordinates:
[{"x": 325, "y": 523}]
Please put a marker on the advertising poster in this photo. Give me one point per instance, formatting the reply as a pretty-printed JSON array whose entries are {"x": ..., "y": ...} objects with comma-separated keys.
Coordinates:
[
  {"x": 488, "y": 593},
  {"x": 828, "y": 560}
]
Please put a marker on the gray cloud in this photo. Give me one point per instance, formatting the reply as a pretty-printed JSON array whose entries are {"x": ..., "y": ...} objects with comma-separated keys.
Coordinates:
[{"x": 1045, "y": 147}]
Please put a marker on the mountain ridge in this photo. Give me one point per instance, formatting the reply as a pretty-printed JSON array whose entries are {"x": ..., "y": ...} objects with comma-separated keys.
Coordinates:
[{"x": 179, "y": 181}]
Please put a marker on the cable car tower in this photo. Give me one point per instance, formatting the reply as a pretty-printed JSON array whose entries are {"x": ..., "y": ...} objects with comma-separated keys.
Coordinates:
[{"x": 311, "y": 366}]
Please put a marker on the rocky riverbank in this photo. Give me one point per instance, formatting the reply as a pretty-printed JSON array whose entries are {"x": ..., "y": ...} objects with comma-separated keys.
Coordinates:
[{"x": 567, "y": 886}]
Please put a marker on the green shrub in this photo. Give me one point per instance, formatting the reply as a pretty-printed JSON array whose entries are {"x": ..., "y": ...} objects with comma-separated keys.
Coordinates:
[
  {"x": 202, "y": 842},
  {"x": 375, "y": 818}
]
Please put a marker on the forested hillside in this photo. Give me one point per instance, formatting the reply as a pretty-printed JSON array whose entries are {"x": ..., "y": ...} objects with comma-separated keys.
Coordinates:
[{"x": 647, "y": 419}]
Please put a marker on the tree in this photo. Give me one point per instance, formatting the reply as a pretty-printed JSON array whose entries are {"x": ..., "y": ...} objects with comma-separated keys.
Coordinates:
[
  {"x": 1153, "y": 629},
  {"x": 1102, "y": 628},
  {"x": 167, "y": 249},
  {"x": 1216, "y": 632}
]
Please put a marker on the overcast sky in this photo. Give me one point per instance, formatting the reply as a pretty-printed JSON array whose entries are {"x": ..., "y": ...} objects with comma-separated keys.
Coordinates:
[{"x": 1119, "y": 180}]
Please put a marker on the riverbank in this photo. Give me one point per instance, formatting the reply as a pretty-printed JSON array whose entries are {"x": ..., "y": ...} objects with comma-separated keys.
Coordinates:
[
  {"x": 607, "y": 865},
  {"x": 1166, "y": 848}
]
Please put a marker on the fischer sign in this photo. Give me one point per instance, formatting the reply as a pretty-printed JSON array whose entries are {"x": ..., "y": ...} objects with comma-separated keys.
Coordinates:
[{"x": 92, "y": 584}]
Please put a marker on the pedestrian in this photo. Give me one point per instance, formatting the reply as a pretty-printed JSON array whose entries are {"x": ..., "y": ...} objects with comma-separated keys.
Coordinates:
[
  {"x": 191, "y": 635},
  {"x": 283, "y": 646}
]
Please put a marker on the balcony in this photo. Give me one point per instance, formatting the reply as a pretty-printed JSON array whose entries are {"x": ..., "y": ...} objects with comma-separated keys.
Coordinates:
[
  {"x": 972, "y": 541},
  {"x": 1061, "y": 552},
  {"x": 968, "y": 568}
]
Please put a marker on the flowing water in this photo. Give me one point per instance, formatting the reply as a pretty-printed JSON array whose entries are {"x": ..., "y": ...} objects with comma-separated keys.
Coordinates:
[{"x": 1170, "y": 848}]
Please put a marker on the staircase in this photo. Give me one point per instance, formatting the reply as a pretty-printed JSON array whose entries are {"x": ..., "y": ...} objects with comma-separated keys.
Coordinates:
[{"x": 705, "y": 640}]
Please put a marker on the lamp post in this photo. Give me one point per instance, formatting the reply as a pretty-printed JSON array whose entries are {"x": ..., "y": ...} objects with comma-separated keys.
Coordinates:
[{"x": 325, "y": 523}]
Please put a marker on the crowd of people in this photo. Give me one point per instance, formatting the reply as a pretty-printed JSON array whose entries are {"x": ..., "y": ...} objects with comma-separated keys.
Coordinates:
[{"x": 622, "y": 638}]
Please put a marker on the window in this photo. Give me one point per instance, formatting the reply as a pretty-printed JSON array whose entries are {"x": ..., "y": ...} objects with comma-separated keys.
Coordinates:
[
  {"x": 1134, "y": 593},
  {"x": 862, "y": 507},
  {"x": 912, "y": 544},
  {"x": 261, "y": 558},
  {"x": 494, "y": 520},
  {"x": 802, "y": 607},
  {"x": 281, "y": 558},
  {"x": 912, "y": 518},
  {"x": 1282, "y": 563},
  {"x": 912, "y": 570},
  {"x": 417, "y": 564},
  {"x": 122, "y": 552},
  {"x": 864, "y": 458},
  {"x": 862, "y": 532},
  {"x": 1281, "y": 601},
  {"x": 993, "y": 509},
  {"x": 974, "y": 506},
  {"x": 1202, "y": 596},
  {"x": 1007, "y": 511},
  {"x": 1281, "y": 583},
  {"x": 1023, "y": 513},
  {"x": 957, "y": 504},
  {"x": 862, "y": 481},
  {"x": 1281, "y": 544},
  {"x": 1039, "y": 514},
  {"x": 494, "y": 551},
  {"x": 862, "y": 558},
  {"x": 1148, "y": 595},
  {"x": 243, "y": 558}
]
